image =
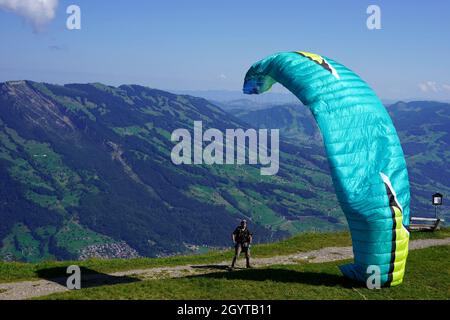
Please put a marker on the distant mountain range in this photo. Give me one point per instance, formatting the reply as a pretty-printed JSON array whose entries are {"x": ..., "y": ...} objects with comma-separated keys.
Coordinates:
[
  {"x": 227, "y": 98},
  {"x": 233, "y": 99},
  {"x": 85, "y": 171}
]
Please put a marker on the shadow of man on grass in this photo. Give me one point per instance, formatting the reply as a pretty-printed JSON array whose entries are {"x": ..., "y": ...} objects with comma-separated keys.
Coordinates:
[
  {"x": 211, "y": 267},
  {"x": 286, "y": 276},
  {"x": 89, "y": 278}
]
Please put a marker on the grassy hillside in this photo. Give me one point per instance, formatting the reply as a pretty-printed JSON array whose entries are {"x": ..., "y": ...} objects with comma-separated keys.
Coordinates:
[
  {"x": 85, "y": 170},
  {"x": 16, "y": 271},
  {"x": 427, "y": 277}
]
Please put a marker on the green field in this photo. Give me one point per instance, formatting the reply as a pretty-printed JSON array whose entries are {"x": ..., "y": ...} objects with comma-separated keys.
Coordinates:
[
  {"x": 13, "y": 271},
  {"x": 427, "y": 277}
]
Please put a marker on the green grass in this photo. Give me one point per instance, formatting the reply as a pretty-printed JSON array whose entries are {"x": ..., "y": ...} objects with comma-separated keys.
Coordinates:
[
  {"x": 14, "y": 271},
  {"x": 441, "y": 234},
  {"x": 427, "y": 277}
]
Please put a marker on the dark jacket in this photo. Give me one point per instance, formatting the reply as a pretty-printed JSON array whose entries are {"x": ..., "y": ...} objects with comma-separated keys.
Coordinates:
[{"x": 242, "y": 236}]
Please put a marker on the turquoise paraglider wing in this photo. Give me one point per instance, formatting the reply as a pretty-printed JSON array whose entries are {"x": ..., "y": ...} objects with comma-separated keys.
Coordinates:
[{"x": 366, "y": 159}]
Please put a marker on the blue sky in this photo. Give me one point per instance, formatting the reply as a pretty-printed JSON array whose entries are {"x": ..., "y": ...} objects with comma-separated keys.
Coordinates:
[{"x": 209, "y": 45}]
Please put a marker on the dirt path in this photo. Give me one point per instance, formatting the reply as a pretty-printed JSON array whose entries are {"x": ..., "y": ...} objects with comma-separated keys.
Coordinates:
[{"x": 37, "y": 288}]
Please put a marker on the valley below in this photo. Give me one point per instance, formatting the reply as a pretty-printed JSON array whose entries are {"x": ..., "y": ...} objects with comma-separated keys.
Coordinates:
[{"x": 86, "y": 172}]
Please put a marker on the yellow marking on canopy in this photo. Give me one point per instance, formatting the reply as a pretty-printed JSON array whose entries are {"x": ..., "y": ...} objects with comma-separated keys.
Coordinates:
[
  {"x": 314, "y": 57},
  {"x": 320, "y": 61}
]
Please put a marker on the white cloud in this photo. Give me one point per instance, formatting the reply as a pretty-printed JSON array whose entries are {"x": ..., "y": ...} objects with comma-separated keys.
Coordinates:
[
  {"x": 423, "y": 87},
  {"x": 222, "y": 76},
  {"x": 433, "y": 86},
  {"x": 37, "y": 12}
]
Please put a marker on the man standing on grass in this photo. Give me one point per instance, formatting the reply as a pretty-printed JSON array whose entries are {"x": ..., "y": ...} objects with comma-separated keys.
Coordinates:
[{"x": 242, "y": 237}]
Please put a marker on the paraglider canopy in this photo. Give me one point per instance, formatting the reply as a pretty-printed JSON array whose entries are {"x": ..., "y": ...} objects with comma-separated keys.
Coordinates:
[{"x": 367, "y": 163}]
